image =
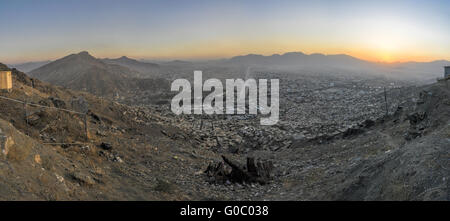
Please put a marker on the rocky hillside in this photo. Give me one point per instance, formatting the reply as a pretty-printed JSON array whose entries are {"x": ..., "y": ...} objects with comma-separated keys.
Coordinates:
[
  {"x": 404, "y": 156},
  {"x": 415, "y": 164},
  {"x": 129, "y": 153}
]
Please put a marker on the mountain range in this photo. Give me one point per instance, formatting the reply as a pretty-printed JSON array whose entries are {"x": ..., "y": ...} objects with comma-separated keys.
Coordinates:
[
  {"x": 107, "y": 77},
  {"x": 29, "y": 66},
  {"x": 298, "y": 58}
]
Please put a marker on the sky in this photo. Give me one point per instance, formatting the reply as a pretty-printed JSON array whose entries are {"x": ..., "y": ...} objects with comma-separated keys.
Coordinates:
[{"x": 381, "y": 31}]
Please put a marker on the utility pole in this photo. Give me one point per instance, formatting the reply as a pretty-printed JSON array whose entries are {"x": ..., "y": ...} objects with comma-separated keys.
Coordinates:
[
  {"x": 25, "y": 110},
  {"x": 385, "y": 101}
]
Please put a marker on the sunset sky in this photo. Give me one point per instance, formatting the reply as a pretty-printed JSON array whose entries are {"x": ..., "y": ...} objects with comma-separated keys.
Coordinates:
[{"x": 386, "y": 31}]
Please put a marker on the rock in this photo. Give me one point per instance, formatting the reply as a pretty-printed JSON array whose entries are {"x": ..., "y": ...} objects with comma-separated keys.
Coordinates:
[
  {"x": 80, "y": 104},
  {"x": 37, "y": 159},
  {"x": 298, "y": 139},
  {"x": 217, "y": 172},
  {"x": 5, "y": 143},
  {"x": 86, "y": 148},
  {"x": 233, "y": 149},
  {"x": 412, "y": 134},
  {"x": 59, "y": 178},
  {"x": 200, "y": 172},
  {"x": 118, "y": 159},
  {"x": 368, "y": 123},
  {"x": 416, "y": 118},
  {"x": 82, "y": 178},
  {"x": 254, "y": 171},
  {"x": 106, "y": 146},
  {"x": 94, "y": 116},
  {"x": 101, "y": 133},
  {"x": 352, "y": 131},
  {"x": 57, "y": 102}
]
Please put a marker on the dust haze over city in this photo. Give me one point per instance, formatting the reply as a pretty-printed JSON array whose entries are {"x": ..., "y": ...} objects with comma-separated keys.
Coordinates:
[{"x": 87, "y": 89}]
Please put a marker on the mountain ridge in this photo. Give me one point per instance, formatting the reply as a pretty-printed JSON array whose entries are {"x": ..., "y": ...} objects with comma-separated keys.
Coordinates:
[{"x": 146, "y": 69}]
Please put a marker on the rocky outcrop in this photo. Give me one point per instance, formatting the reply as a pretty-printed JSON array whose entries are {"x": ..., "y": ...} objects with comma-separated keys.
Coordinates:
[
  {"x": 5, "y": 143},
  {"x": 255, "y": 171}
]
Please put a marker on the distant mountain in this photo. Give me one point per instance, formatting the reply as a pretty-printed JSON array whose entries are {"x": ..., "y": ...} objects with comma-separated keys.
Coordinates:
[
  {"x": 29, "y": 66},
  {"x": 426, "y": 68},
  {"x": 85, "y": 72},
  {"x": 178, "y": 62},
  {"x": 299, "y": 59},
  {"x": 145, "y": 68}
]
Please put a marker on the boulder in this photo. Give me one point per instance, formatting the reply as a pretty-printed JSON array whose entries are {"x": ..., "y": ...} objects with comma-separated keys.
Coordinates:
[
  {"x": 255, "y": 171},
  {"x": 106, "y": 146},
  {"x": 57, "y": 102},
  {"x": 5, "y": 143}
]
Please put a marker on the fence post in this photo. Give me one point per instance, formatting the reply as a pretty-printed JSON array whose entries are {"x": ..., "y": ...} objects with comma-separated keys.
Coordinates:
[
  {"x": 201, "y": 123},
  {"x": 25, "y": 110}
]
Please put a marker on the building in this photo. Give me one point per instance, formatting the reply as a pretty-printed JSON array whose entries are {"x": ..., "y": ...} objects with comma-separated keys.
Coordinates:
[
  {"x": 447, "y": 72},
  {"x": 5, "y": 80}
]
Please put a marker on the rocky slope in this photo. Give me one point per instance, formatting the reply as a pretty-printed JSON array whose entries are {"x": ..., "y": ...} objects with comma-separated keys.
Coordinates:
[
  {"x": 401, "y": 157},
  {"x": 47, "y": 156}
]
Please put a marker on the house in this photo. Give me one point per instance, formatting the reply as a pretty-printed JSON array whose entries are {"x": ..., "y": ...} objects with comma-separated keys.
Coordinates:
[{"x": 5, "y": 80}]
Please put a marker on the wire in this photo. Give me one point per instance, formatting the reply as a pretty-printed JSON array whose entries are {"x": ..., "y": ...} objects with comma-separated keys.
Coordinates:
[{"x": 38, "y": 105}]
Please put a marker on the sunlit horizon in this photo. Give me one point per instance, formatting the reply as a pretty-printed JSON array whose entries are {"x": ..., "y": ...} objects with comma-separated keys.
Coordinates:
[{"x": 370, "y": 58}]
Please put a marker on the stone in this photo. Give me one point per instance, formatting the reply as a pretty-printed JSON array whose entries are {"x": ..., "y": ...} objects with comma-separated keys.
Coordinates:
[
  {"x": 118, "y": 159},
  {"x": 59, "y": 178},
  {"x": 5, "y": 143},
  {"x": 37, "y": 159},
  {"x": 82, "y": 178},
  {"x": 254, "y": 171},
  {"x": 57, "y": 102},
  {"x": 106, "y": 146}
]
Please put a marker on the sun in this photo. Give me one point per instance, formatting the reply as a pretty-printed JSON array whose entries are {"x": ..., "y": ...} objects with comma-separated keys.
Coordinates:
[{"x": 386, "y": 58}]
